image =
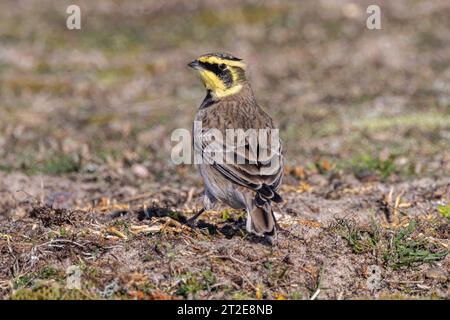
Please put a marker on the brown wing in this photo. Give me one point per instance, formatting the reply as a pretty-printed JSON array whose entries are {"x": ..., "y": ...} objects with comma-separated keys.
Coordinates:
[{"x": 258, "y": 168}]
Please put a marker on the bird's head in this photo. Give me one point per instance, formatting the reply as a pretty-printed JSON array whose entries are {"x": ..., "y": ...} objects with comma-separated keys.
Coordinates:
[{"x": 222, "y": 73}]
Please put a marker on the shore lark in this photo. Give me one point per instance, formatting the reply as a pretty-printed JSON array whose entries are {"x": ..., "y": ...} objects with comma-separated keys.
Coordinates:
[{"x": 249, "y": 176}]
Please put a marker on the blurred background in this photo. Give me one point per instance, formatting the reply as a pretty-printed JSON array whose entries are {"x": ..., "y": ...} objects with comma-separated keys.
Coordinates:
[{"x": 105, "y": 99}]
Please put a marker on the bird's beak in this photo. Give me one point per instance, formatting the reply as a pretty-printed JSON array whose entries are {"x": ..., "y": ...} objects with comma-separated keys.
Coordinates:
[{"x": 194, "y": 64}]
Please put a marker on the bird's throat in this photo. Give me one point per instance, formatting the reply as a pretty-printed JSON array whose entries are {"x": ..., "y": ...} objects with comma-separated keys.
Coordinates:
[{"x": 216, "y": 86}]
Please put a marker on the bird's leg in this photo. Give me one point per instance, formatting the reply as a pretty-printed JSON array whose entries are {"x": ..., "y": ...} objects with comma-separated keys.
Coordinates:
[{"x": 191, "y": 220}]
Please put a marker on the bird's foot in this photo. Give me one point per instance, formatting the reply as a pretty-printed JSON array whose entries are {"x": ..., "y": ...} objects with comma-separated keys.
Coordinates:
[{"x": 191, "y": 221}]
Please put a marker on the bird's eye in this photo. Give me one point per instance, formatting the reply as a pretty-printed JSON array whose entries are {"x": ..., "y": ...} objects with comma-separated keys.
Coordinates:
[{"x": 222, "y": 66}]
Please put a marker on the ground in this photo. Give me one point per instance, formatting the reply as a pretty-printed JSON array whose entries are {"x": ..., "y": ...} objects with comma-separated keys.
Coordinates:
[{"x": 87, "y": 185}]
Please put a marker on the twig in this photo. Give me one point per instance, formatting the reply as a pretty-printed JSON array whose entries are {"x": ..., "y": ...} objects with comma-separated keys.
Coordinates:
[
  {"x": 249, "y": 282},
  {"x": 51, "y": 243},
  {"x": 314, "y": 296},
  {"x": 190, "y": 195}
]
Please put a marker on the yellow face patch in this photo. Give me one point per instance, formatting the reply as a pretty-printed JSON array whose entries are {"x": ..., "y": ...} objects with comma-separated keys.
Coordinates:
[
  {"x": 214, "y": 83},
  {"x": 216, "y": 86}
]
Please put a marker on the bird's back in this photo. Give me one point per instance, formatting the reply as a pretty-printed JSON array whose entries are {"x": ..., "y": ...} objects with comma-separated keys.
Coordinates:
[{"x": 239, "y": 111}]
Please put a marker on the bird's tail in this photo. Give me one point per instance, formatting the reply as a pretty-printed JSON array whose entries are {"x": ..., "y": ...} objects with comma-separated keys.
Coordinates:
[{"x": 262, "y": 220}]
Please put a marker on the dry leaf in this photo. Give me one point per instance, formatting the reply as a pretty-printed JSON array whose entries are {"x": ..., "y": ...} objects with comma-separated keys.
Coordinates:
[
  {"x": 299, "y": 172},
  {"x": 326, "y": 165},
  {"x": 303, "y": 187},
  {"x": 114, "y": 231},
  {"x": 259, "y": 293},
  {"x": 280, "y": 296}
]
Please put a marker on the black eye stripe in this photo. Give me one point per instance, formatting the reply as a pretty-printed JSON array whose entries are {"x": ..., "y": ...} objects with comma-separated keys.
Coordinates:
[
  {"x": 223, "y": 74},
  {"x": 211, "y": 67}
]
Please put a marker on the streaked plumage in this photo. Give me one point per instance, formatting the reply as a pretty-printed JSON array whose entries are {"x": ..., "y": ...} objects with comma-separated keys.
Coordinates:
[{"x": 230, "y": 104}]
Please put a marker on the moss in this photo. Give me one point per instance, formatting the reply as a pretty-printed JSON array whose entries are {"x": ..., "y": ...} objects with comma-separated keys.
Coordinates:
[
  {"x": 191, "y": 284},
  {"x": 54, "y": 292}
]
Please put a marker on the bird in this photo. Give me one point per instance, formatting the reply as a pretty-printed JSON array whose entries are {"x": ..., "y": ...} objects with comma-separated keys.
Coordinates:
[{"x": 252, "y": 183}]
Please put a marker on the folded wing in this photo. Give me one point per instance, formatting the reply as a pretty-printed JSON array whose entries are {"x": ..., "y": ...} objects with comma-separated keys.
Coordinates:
[{"x": 257, "y": 166}]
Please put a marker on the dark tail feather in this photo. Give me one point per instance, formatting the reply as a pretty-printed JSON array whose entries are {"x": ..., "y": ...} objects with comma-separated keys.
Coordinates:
[
  {"x": 263, "y": 221},
  {"x": 276, "y": 198}
]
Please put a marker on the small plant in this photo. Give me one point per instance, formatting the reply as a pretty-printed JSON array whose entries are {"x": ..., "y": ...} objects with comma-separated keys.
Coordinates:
[
  {"x": 405, "y": 250},
  {"x": 23, "y": 281},
  {"x": 62, "y": 232},
  {"x": 226, "y": 216},
  {"x": 60, "y": 164},
  {"x": 209, "y": 278},
  {"x": 48, "y": 273},
  {"x": 191, "y": 284},
  {"x": 366, "y": 163},
  {"x": 268, "y": 265},
  {"x": 360, "y": 240},
  {"x": 444, "y": 210},
  {"x": 395, "y": 249}
]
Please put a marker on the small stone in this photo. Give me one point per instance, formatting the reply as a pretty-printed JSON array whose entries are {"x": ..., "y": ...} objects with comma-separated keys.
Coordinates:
[{"x": 139, "y": 171}]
